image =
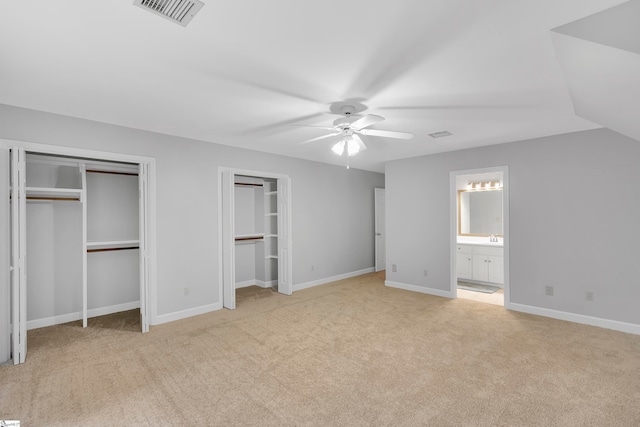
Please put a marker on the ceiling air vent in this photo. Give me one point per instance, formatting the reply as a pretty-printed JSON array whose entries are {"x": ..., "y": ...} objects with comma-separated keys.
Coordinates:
[
  {"x": 441, "y": 134},
  {"x": 178, "y": 11}
]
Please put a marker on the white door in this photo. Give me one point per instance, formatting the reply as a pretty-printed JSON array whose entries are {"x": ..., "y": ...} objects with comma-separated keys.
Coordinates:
[
  {"x": 285, "y": 268},
  {"x": 18, "y": 256},
  {"x": 143, "y": 230},
  {"x": 228, "y": 242},
  {"x": 381, "y": 254}
]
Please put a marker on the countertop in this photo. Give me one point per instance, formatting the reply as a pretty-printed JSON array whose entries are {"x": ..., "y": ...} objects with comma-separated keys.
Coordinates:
[{"x": 480, "y": 241}]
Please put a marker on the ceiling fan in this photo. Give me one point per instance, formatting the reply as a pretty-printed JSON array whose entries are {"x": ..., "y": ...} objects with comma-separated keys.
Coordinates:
[{"x": 350, "y": 127}]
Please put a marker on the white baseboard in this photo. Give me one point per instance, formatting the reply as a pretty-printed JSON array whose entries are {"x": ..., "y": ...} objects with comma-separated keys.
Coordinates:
[
  {"x": 267, "y": 284},
  {"x": 72, "y": 317},
  {"x": 245, "y": 284},
  {"x": 421, "y": 289},
  {"x": 630, "y": 328},
  {"x": 166, "y": 318},
  {"x": 313, "y": 283},
  {"x": 262, "y": 284}
]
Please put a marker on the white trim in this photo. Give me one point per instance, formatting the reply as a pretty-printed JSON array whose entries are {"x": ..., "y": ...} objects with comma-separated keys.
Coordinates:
[
  {"x": 260, "y": 283},
  {"x": 318, "y": 282},
  {"x": 616, "y": 325},
  {"x": 183, "y": 314},
  {"x": 420, "y": 289},
  {"x": 453, "y": 228},
  {"x": 72, "y": 317},
  {"x": 245, "y": 284},
  {"x": 268, "y": 284}
]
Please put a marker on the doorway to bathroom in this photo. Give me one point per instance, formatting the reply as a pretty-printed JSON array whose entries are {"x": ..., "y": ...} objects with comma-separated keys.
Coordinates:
[{"x": 480, "y": 235}]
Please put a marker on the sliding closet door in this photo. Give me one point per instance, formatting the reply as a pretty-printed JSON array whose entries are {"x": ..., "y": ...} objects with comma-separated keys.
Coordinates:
[
  {"x": 143, "y": 182},
  {"x": 18, "y": 256},
  {"x": 284, "y": 236},
  {"x": 228, "y": 241}
]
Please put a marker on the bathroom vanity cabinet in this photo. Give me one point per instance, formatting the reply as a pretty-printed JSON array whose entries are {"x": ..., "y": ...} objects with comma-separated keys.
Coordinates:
[{"x": 480, "y": 263}]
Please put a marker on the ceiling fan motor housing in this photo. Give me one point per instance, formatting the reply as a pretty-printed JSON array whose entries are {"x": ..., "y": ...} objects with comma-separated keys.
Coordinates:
[{"x": 345, "y": 122}]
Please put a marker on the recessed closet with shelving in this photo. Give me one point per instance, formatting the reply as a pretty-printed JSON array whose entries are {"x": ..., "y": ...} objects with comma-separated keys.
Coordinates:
[
  {"x": 256, "y": 232},
  {"x": 79, "y": 231},
  {"x": 82, "y": 232}
]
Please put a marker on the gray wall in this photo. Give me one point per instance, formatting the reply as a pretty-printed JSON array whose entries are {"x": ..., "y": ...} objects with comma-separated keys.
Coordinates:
[
  {"x": 574, "y": 212},
  {"x": 332, "y": 208}
]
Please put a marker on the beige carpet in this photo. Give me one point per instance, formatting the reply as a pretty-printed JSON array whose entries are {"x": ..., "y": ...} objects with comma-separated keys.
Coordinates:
[{"x": 345, "y": 354}]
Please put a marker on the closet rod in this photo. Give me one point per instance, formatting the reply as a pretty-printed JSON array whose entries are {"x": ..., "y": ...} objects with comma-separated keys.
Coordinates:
[
  {"x": 112, "y": 172},
  {"x": 66, "y": 199},
  {"x": 113, "y": 249},
  {"x": 248, "y": 238},
  {"x": 242, "y": 184}
]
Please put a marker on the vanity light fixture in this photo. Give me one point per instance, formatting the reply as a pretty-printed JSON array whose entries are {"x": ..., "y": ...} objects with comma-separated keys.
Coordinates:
[{"x": 484, "y": 186}]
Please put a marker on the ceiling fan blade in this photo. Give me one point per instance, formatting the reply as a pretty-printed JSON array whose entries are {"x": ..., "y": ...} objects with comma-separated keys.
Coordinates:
[
  {"x": 366, "y": 121},
  {"x": 319, "y": 138},
  {"x": 358, "y": 141},
  {"x": 386, "y": 133},
  {"x": 277, "y": 125},
  {"x": 315, "y": 127}
]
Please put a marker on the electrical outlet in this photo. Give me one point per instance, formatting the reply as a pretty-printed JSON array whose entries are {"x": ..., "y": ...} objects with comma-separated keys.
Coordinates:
[
  {"x": 394, "y": 268},
  {"x": 187, "y": 291},
  {"x": 588, "y": 296},
  {"x": 548, "y": 290},
  {"x": 426, "y": 273}
]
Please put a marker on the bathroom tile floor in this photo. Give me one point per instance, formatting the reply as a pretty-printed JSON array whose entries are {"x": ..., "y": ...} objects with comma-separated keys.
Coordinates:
[{"x": 496, "y": 298}]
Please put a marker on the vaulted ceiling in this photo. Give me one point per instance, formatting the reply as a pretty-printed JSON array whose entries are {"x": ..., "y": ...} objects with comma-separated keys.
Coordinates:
[{"x": 244, "y": 71}]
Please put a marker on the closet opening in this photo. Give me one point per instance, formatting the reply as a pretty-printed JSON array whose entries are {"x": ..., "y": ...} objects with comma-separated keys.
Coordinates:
[
  {"x": 79, "y": 241},
  {"x": 255, "y": 228}
]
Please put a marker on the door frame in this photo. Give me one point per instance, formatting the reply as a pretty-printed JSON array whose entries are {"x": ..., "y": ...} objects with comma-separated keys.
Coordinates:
[
  {"x": 453, "y": 227},
  {"x": 148, "y": 291},
  {"x": 226, "y": 281},
  {"x": 377, "y": 235}
]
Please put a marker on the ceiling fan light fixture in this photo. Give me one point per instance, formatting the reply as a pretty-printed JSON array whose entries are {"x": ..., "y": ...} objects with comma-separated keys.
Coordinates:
[
  {"x": 339, "y": 147},
  {"x": 352, "y": 147}
]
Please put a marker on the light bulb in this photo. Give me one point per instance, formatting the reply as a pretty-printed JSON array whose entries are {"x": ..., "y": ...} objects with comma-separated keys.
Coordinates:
[
  {"x": 352, "y": 147},
  {"x": 338, "y": 148}
]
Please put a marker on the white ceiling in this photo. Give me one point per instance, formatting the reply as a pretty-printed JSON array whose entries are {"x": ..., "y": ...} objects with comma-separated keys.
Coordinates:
[{"x": 243, "y": 71}]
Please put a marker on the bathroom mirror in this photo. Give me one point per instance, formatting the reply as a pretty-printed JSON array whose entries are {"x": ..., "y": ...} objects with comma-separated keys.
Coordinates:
[{"x": 480, "y": 212}]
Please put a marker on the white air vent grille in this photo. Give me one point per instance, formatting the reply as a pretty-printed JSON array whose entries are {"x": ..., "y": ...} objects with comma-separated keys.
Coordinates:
[
  {"x": 441, "y": 134},
  {"x": 178, "y": 11}
]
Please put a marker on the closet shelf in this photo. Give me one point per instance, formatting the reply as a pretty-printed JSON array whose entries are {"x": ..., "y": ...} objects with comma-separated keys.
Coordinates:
[
  {"x": 271, "y": 257},
  {"x": 44, "y": 193},
  {"x": 271, "y": 235},
  {"x": 271, "y": 214},
  {"x": 249, "y": 237},
  {"x": 271, "y": 193},
  {"x": 113, "y": 245}
]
